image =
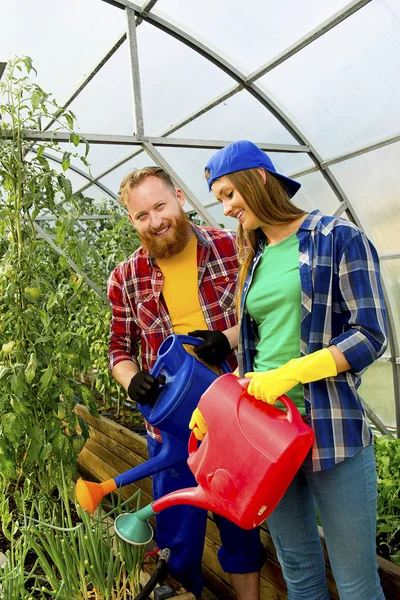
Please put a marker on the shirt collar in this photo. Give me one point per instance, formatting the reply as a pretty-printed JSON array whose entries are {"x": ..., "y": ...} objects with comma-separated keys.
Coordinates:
[{"x": 311, "y": 220}]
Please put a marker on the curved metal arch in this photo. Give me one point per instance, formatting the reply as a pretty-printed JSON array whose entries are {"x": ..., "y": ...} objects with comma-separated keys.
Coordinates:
[{"x": 79, "y": 172}]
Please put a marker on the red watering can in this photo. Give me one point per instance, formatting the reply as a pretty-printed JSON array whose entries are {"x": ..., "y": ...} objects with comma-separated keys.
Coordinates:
[{"x": 244, "y": 465}]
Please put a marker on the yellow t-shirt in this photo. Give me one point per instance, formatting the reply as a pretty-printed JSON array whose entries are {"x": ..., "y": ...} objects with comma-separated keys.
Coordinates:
[{"x": 180, "y": 289}]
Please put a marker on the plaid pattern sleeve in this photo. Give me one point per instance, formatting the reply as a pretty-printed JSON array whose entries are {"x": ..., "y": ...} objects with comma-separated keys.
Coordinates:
[
  {"x": 365, "y": 338},
  {"x": 124, "y": 332}
]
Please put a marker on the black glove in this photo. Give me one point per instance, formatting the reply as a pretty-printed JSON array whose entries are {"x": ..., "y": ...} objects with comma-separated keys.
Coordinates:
[
  {"x": 215, "y": 347},
  {"x": 144, "y": 388}
]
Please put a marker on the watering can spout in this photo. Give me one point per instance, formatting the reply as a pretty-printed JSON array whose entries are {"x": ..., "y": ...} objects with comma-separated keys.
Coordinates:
[
  {"x": 135, "y": 529},
  {"x": 90, "y": 494},
  {"x": 195, "y": 496}
]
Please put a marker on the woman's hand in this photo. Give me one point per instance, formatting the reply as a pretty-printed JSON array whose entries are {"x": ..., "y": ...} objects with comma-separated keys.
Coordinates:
[
  {"x": 269, "y": 385},
  {"x": 198, "y": 424}
]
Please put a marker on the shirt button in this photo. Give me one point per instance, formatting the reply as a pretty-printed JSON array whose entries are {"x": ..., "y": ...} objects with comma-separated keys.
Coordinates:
[
  {"x": 226, "y": 278},
  {"x": 159, "y": 273}
]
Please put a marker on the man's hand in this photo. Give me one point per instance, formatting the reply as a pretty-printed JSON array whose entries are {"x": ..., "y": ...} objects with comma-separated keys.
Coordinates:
[
  {"x": 198, "y": 424},
  {"x": 144, "y": 388},
  {"x": 215, "y": 347}
]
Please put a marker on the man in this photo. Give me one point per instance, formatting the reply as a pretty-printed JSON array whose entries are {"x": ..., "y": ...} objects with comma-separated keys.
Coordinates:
[{"x": 181, "y": 279}]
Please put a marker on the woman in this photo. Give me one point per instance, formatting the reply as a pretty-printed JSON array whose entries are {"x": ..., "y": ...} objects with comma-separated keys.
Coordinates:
[{"x": 312, "y": 318}]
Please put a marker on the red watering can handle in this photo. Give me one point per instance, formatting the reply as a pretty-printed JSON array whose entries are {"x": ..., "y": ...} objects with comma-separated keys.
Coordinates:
[{"x": 293, "y": 414}]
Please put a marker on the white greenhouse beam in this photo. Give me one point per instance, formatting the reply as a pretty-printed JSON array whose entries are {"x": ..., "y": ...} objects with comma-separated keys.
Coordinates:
[
  {"x": 375, "y": 420},
  {"x": 287, "y": 53},
  {"x": 238, "y": 76},
  {"x": 79, "y": 172},
  {"x": 394, "y": 139},
  {"x": 310, "y": 37},
  {"x": 133, "y": 140},
  {"x": 168, "y": 131},
  {"x": 390, "y": 255},
  {"x": 135, "y": 72},
  {"x": 148, "y": 5},
  {"x": 81, "y": 218}
]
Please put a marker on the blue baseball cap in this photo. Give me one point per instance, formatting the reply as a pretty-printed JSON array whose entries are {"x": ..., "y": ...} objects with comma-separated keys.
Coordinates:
[{"x": 242, "y": 155}]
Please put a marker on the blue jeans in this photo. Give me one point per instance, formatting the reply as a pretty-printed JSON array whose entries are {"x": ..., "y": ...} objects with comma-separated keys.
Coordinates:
[
  {"x": 345, "y": 497},
  {"x": 182, "y": 529}
]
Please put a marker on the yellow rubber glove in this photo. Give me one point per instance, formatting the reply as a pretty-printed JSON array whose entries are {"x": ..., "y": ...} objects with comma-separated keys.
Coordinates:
[
  {"x": 269, "y": 385},
  {"x": 198, "y": 424}
]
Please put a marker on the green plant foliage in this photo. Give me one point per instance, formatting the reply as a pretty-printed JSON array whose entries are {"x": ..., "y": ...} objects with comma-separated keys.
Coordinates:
[
  {"x": 44, "y": 341},
  {"x": 387, "y": 453},
  {"x": 68, "y": 555},
  {"x": 111, "y": 240}
]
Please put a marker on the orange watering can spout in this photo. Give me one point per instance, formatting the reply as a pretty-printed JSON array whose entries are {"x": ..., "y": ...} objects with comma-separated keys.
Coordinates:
[{"x": 89, "y": 494}]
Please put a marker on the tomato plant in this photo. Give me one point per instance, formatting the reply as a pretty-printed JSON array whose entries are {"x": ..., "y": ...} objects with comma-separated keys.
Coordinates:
[
  {"x": 41, "y": 349},
  {"x": 54, "y": 315}
]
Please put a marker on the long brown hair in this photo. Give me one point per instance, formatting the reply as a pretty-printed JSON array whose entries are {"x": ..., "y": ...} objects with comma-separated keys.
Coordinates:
[{"x": 271, "y": 203}]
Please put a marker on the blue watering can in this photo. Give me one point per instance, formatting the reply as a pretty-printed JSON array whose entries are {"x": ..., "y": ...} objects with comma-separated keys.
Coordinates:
[{"x": 186, "y": 379}]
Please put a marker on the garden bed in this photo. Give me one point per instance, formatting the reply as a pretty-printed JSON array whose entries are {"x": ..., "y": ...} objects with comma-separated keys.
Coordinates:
[{"x": 113, "y": 449}]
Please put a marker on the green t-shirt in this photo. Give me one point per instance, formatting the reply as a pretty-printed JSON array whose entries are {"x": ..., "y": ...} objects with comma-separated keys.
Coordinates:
[{"x": 274, "y": 302}]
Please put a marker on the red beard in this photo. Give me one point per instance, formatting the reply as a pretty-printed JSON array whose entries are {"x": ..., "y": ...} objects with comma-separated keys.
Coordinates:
[{"x": 174, "y": 242}]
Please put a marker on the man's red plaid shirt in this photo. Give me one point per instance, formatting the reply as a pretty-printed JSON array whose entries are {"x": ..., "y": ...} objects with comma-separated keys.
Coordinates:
[{"x": 140, "y": 319}]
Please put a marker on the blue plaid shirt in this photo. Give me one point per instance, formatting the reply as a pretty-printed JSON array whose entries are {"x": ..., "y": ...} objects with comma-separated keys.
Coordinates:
[{"x": 342, "y": 305}]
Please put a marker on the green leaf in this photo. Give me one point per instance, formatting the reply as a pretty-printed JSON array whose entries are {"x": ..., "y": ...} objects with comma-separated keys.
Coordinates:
[
  {"x": 31, "y": 367},
  {"x": 35, "y": 446},
  {"x": 67, "y": 188},
  {"x": 45, "y": 318},
  {"x": 75, "y": 139},
  {"x": 69, "y": 120},
  {"x": 35, "y": 100},
  {"x": 17, "y": 385},
  {"x": 4, "y": 371},
  {"x": 65, "y": 164},
  {"x": 11, "y": 427},
  {"x": 45, "y": 379},
  {"x": 52, "y": 300},
  {"x": 46, "y": 452}
]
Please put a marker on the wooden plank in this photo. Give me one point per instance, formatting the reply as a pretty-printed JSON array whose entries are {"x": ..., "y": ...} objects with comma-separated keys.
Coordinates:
[
  {"x": 124, "y": 436},
  {"x": 390, "y": 578},
  {"x": 132, "y": 458},
  {"x": 116, "y": 464},
  {"x": 103, "y": 471}
]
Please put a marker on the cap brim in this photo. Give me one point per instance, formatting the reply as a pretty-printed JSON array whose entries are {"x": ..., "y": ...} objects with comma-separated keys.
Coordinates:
[{"x": 291, "y": 186}]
